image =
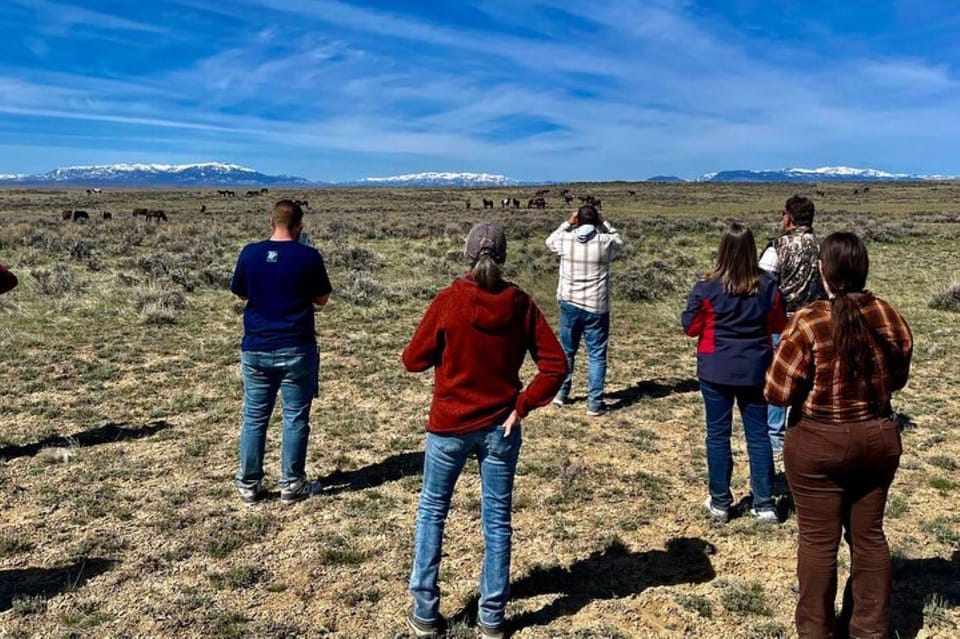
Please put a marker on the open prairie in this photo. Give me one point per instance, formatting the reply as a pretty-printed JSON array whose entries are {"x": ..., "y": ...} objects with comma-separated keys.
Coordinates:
[{"x": 120, "y": 399}]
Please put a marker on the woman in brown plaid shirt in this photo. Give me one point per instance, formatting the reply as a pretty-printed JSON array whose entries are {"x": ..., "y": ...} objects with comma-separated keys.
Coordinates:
[{"x": 837, "y": 364}]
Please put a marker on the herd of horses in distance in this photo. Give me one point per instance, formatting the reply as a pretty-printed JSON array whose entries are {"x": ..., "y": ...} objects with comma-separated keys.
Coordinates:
[{"x": 538, "y": 201}]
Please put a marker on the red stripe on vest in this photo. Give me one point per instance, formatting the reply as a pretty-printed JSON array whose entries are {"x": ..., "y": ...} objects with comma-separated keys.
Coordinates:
[{"x": 708, "y": 344}]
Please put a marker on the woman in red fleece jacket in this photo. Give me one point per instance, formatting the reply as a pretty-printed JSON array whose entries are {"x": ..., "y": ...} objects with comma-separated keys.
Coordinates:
[{"x": 475, "y": 335}]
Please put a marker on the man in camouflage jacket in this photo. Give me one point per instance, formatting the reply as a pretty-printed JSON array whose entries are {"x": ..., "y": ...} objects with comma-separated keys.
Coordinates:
[
  {"x": 797, "y": 254},
  {"x": 792, "y": 258}
]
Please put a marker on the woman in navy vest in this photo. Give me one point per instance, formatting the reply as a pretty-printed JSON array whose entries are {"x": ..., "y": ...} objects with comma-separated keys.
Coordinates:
[{"x": 733, "y": 311}]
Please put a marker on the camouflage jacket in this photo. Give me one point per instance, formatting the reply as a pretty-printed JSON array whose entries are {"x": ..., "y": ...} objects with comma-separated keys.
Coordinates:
[{"x": 797, "y": 253}]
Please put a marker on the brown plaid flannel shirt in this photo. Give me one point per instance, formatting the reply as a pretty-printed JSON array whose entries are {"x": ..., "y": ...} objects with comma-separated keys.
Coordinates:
[{"x": 805, "y": 371}]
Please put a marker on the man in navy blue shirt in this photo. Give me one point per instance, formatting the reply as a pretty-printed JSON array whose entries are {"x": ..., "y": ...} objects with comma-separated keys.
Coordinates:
[{"x": 281, "y": 279}]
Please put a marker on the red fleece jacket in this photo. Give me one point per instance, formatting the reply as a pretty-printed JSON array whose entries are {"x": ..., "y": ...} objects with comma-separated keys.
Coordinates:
[{"x": 476, "y": 341}]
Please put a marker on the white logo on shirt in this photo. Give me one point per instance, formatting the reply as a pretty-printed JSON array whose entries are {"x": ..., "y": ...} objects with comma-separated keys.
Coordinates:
[{"x": 272, "y": 256}]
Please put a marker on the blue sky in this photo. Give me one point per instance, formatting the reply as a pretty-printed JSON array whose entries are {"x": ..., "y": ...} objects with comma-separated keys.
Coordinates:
[{"x": 534, "y": 89}]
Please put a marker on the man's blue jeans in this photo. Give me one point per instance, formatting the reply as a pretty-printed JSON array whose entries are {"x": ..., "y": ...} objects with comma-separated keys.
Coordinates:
[
  {"x": 292, "y": 372},
  {"x": 718, "y": 400},
  {"x": 776, "y": 415},
  {"x": 444, "y": 460},
  {"x": 594, "y": 328}
]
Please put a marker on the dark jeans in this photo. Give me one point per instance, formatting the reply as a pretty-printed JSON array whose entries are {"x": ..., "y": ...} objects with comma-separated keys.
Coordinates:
[
  {"x": 839, "y": 475},
  {"x": 718, "y": 400}
]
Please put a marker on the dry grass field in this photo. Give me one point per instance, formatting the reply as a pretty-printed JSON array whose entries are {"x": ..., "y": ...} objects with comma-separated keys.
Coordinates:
[{"x": 119, "y": 419}]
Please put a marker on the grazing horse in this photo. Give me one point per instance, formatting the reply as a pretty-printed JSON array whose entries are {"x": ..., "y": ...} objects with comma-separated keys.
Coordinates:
[
  {"x": 820, "y": 193},
  {"x": 542, "y": 192},
  {"x": 107, "y": 215},
  {"x": 866, "y": 188},
  {"x": 80, "y": 215},
  {"x": 203, "y": 208},
  {"x": 516, "y": 203},
  {"x": 504, "y": 203},
  {"x": 143, "y": 212},
  {"x": 467, "y": 202},
  {"x": 159, "y": 216},
  {"x": 537, "y": 202},
  {"x": 66, "y": 215},
  {"x": 264, "y": 191},
  {"x": 856, "y": 191},
  {"x": 487, "y": 204},
  {"x": 592, "y": 201},
  {"x": 252, "y": 194}
]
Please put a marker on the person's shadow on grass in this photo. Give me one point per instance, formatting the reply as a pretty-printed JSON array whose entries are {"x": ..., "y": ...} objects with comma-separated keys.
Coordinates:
[
  {"x": 393, "y": 468},
  {"x": 106, "y": 434},
  {"x": 919, "y": 583},
  {"x": 650, "y": 388},
  {"x": 612, "y": 573},
  {"x": 47, "y": 582}
]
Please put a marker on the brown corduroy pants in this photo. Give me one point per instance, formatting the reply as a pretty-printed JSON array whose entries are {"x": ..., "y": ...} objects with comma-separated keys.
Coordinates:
[{"x": 839, "y": 475}]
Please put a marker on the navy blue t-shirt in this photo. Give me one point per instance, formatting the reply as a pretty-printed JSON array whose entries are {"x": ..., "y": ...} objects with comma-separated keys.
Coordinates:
[{"x": 280, "y": 281}]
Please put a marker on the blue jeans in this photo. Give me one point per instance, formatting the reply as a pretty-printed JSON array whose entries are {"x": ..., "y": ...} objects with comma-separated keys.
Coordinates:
[
  {"x": 292, "y": 372},
  {"x": 718, "y": 400},
  {"x": 595, "y": 329},
  {"x": 444, "y": 460},
  {"x": 776, "y": 415}
]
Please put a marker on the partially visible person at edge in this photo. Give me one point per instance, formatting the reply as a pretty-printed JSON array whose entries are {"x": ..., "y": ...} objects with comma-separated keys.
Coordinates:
[
  {"x": 586, "y": 245},
  {"x": 475, "y": 335},
  {"x": 839, "y": 360},
  {"x": 733, "y": 311},
  {"x": 791, "y": 259},
  {"x": 8, "y": 281},
  {"x": 281, "y": 280}
]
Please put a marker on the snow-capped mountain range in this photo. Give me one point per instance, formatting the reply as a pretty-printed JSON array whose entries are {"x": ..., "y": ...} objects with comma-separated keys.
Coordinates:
[
  {"x": 440, "y": 179},
  {"x": 225, "y": 174},
  {"x": 149, "y": 175},
  {"x": 821, "y": 174}
]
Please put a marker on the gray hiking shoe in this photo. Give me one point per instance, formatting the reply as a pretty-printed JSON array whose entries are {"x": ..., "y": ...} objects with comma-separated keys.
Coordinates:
[
  {"x": 296, "y": 491},
  {"x": 599, "y": 410},
  {"x": 421, "y": 629},
  {"x": 250, "y": 494}
]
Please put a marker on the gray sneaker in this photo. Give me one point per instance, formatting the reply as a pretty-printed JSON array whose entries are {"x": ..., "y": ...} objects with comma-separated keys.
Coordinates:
[
  {"x": 598, "y": 410},
  {"x": 560, "y": 400},
  {"x": 717, "y": 515},
  {"x": 421, "y": 629},
  {"x": 490, "y": 632},
  {"x": 252, "y": 494},
  {"x": 296, "y": 491}
]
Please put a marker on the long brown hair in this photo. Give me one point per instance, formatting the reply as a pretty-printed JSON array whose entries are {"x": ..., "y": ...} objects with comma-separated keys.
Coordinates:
[
  {"x": 844, "y": 264},
  {"x": 737, "y": 261}
]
